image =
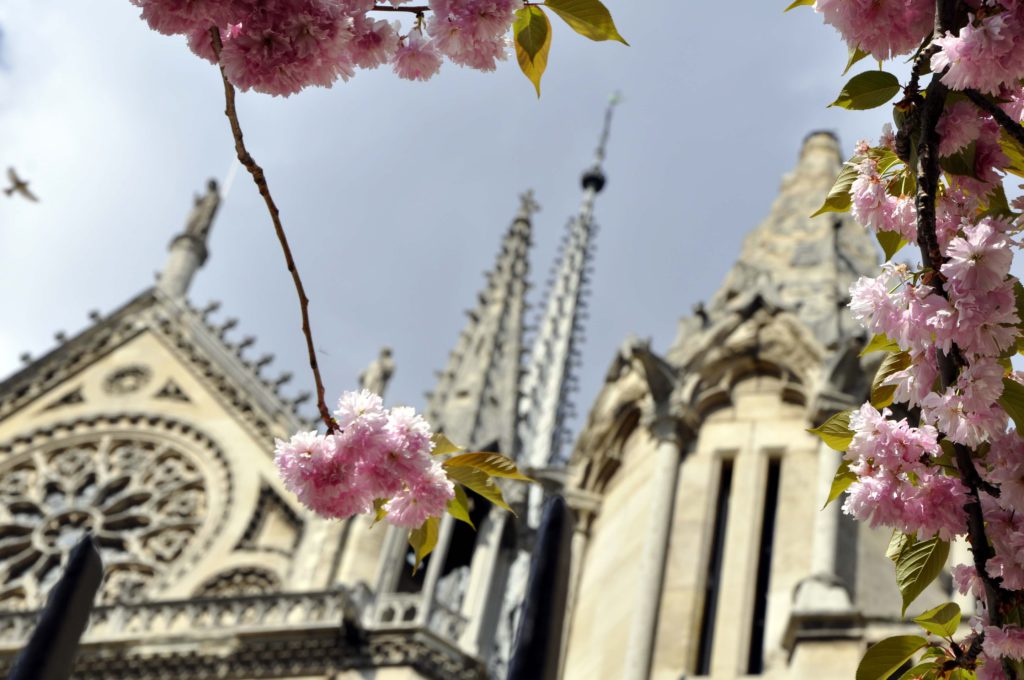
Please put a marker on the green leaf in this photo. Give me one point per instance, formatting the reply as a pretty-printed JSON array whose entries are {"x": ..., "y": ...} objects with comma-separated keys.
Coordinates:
[
  {"x": 997, "y": 204},
  {"x": 493, "y": 464},
  {"x": 1014, "y": 152},
  {"x": 531, "y": 31},
  {"x": 898, "y": 542},
  {"x": 458, "y": 507},
  {"x": 882, "y": 659},
  {"x": 1012, "y": 401},
  {"x": 917, "y": 566},
  {"x": 868, "y": 90},
  {"x": 918, "y": 671},
  {"x": 1018, "y": 294},
  {"x": 589, "y": 18},
  {"x": 835, "y": 431},
  {"x": 424, "y": 539},
  {"x": 856, "y": 54},
  {"x": 840, "y": 483},
  {"x": 478, "y": 481},
  {"x": 882, "y": 395},
  {"x": 838, "y": 199},
  {"x": 880, "y": 343},
  {"x": 798, "y": 3},
  {"x": 942, "y": 620},
  {"x": 891, "y": 243},
  {"x": 443, "y": 445},
  {"x": 378, "y": 510},
  {"x": 962, "y": 162}
]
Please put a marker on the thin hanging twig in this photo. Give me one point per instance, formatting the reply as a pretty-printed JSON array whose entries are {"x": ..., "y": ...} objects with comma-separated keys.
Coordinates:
[{"x": 261, "y": 183}]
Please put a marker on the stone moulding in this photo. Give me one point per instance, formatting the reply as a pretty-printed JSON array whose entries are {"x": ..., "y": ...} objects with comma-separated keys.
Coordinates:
[{"x": 280, "y": 635}]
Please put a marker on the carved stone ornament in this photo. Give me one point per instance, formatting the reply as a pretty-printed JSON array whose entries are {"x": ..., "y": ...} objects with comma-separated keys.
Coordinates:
[
  {"x": 126, "y": 380},
  {"x": 145, "y": 499}
]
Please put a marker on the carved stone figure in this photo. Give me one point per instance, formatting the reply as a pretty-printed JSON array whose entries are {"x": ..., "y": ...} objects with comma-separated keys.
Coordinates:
[
  {"x": 204, "y": 208},
  {"x": 378, "y": 374}
]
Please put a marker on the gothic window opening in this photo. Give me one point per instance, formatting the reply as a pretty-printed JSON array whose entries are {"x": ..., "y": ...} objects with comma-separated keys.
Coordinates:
[
  {"x": 455, "y": 573},
  {"x": 713, "y": 581},
  {"x": 755, "y": 661},
  {"x": 409, "y": 582}
]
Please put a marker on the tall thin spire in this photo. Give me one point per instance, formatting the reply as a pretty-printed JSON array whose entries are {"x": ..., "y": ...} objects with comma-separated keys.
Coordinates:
[
  {"x": 477, "y": 394},
  {"x": 549, "y": 375},
  {"x": 188, "y": 250}
]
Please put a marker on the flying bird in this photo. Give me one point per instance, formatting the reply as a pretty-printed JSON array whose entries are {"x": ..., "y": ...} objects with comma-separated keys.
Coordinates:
[{"x": 19, "y": 185}]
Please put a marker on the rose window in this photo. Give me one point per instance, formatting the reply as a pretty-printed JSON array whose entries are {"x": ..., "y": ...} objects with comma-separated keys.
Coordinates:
[{"x": 143, "y": 500}]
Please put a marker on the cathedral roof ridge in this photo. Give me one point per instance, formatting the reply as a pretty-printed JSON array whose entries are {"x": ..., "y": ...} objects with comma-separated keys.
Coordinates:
[{"x": 186, "y": 331}]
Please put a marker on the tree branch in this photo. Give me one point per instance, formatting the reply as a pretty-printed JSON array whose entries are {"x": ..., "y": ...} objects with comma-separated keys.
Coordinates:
[
  {"x": 260, "y": 180},
  {"x": 412, "y": 9},
  {"x": 1013, "y": 128},
  {"x": 928, "y": 171}
]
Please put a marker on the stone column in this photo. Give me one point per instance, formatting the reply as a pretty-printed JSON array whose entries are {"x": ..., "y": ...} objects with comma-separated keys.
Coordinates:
[
  {"x": 823, "y": 591},
  {"x": 437, "y": 559},
  {"x": 580, "y": 539},
  {"x": 187, "y": 255},
  {"x": 651, "y": 570},
  {"x": 480, "y": 590}
]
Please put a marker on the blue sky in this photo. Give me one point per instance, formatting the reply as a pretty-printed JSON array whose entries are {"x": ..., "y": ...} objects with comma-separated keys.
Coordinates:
[{"x": 396, "y": 194}]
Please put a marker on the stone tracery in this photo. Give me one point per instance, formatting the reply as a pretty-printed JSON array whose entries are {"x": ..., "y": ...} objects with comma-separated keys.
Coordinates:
[{"x": 144, "y": 499}]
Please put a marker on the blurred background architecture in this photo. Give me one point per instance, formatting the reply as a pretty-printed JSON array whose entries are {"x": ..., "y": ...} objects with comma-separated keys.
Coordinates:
[{"x": 699, "y": 547}]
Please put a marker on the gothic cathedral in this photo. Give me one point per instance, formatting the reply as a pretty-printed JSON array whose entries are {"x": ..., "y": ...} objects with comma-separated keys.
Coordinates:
[{"x": 697, "y": 549}]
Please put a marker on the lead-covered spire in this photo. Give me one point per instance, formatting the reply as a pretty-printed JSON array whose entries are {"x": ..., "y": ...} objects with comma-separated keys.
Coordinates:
[
  {"x": 188, "y": 250},
  {"x": 550, "y": 375},
  {"x": 476, "y": 396}
]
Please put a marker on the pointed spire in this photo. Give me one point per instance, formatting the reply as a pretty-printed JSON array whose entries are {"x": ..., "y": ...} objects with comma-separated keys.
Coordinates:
[
  {"x": 188, "y": 250},
  {"x": 802, "y": 263},
  {"x": 476, "y": 398},
  {"x": 549, "y": 374}
]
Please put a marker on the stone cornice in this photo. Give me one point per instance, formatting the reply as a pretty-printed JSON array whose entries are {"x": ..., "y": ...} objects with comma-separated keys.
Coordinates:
[{"x": 285, "y": 635}]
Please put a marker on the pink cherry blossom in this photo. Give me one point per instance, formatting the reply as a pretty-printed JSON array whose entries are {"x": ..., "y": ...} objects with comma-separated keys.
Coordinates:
[
  {"x": 416, "y": 58},
  {"x": 986, "y": 53},
  {"x": 1006, "y": 642},
  {"x": 883, "y": 28},
  {"x": 375, "y": 42},
  {"x": 980, "y": 260},
  {"x": 378, "y": 455},
  {"x": 959, "y": 126},
  {"x": 426, "y": 497}
]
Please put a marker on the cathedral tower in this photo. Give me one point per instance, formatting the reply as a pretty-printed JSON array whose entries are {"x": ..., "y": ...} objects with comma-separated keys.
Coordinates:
[{"x": 691, "y": 478}]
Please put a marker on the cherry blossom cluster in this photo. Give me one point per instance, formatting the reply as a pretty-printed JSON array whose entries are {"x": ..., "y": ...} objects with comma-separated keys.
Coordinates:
[
  {"x": 378, "y": 457},
  {"x": 951, "y": 328},
  {"x": 896, "y": 485},
  {"x": 282, "y": 46}
]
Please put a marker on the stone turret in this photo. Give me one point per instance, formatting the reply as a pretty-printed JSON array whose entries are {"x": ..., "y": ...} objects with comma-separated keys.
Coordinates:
[
  {"x": 188, "y": 250},
  {"x": 699, "y": 467}
]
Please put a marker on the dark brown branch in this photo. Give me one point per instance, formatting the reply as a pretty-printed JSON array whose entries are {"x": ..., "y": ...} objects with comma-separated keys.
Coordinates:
[
  {"x": 260, "y": 180},
  {"x": 1012, "y": 127},
  {"x": 928, "y": 172},
  {"x": 412, "y": 9}
]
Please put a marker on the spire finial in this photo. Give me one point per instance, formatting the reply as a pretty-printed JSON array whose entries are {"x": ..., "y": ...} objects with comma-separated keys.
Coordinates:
[
  {"x": 188, "y": 251},
  {"x": 594, "y": 177},
  {"x": 527, "y": 205},
  {"x": 613, "y": 101}
]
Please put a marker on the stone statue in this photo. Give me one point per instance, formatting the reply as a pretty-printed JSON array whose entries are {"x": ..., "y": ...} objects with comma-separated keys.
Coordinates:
[
  {"x": 203, "y": 210},
  {"x": 377, "y": 375},
  {"x": 452, "y": 587}
]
